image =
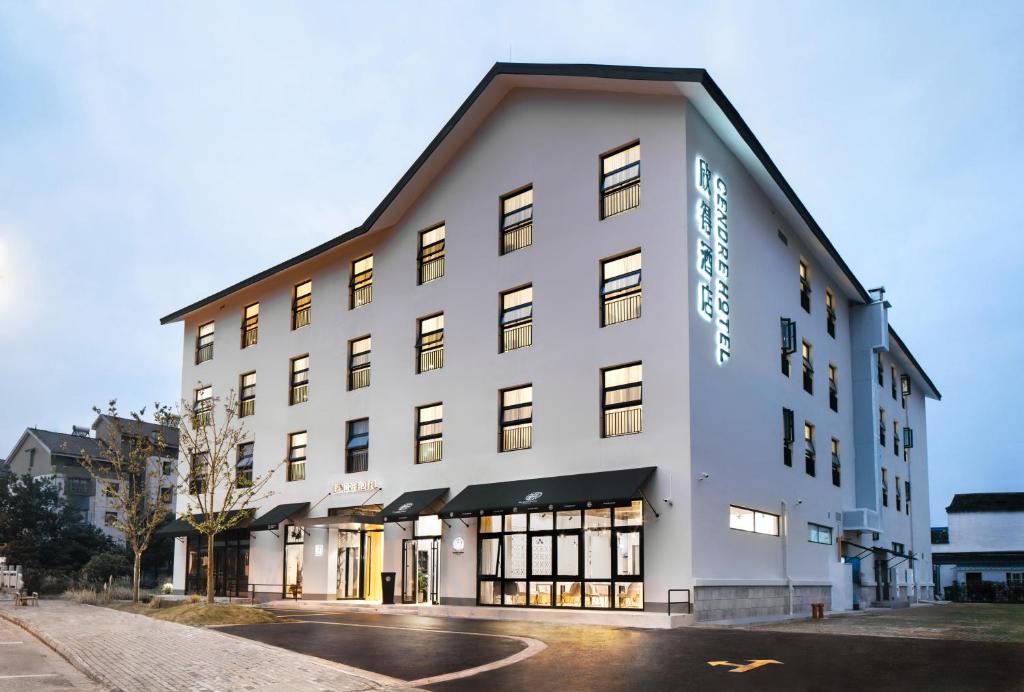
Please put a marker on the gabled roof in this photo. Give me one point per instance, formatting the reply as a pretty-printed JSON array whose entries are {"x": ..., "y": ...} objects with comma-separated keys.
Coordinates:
[
  {"x": 67, "y": 445},
  {"x": 130, "y": 426},
  {"x": 986, "y": 502}
]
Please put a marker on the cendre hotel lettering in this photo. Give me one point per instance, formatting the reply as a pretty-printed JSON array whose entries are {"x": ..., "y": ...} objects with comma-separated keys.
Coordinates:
[{"x": 713, "y": 256}]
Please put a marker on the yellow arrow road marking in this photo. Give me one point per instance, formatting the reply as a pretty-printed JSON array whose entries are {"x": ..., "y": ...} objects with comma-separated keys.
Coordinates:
[{"x": 744, "y": 667}]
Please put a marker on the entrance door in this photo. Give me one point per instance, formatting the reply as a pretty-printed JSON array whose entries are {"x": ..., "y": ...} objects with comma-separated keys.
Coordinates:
[
  {"x": 881, "y": 578},
  {"x": 420, "y": 568},
  {"x": 349, "y": 564},
  {"x": 409, "y": 570}
]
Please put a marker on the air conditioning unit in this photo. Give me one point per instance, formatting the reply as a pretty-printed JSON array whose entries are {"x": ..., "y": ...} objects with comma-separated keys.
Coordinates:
[{"x": 861, "y": 519}]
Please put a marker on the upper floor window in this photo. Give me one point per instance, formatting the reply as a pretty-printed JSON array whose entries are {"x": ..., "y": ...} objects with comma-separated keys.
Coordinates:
[
  {"x": 297, "y": 456},
  {"x": 250, "y": 325},
  {"x": 899, "y": 495},
  {"x": 885, "y": 488},
  {"x": 904, "y": 389},
  {"x": 836, "y": 464},
  {"x": 429, "y": 430},
  {"x": 620, "y": 180},
  {"x": 516, "y": 318},
  {"x": 243, "y": 465},
  {"x": 896, "y": 438},
  {"x": 830, "y": 313},
  {"x": 302, "y": 299},
  {"x": 788, "y": 343},
  {"x": 881, "y": 426},
  {"x": 620, "y": 289},
  {"x": 880, "y": 368},
  {"x": 809, "y": 452},
  {"x": 517, "y": 220},
  {"x": 744, "y": 519},
  {"x": 816, "y": 533},
  {"x": 431, "y": 254},
  {"x": 788, "y": 436},
  {"x": 833, "y": 388},
  {"x": 892, "y": 381},
  {"x": 204, "y": 343},
  {"x": 199, "y": 473},
  {"x": 516, "y": 421},
  {"x": 622, "y": 400},
  {"x": 357, "y": 448},
  {"x": 299, "y": 380},
  {"x": 805, "y": 286},
  {"x": 359, "y": 363},
  {"x": 203, "y": 406},
  {"x": 247, "y": 394},
  {"x": 430, "y": 343},
  {"x": 906, "y": 495},
  {"x": 78, "y": 486},
  {"x": 898, "y": 548},
  {"x": 360, "y": 287},
  {"x": 805, "y": 352}
]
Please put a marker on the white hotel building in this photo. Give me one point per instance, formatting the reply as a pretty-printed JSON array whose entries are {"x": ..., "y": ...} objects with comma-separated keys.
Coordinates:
[{"x": 590, "y": 348}]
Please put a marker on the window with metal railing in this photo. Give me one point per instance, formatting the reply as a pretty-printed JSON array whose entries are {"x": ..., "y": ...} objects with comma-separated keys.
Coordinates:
[
  {"x": 830, "y": 313},
  {"x": 833, "y": 388},
  {"x": 516, "y": 421},
  {"x": 805, "y": 286},
  {"x": 359, "y": 363},
  {"x": 622, "y": 400},
  {"x": 430, "y": 343},
  {"x": 198, "y": 473},
  {"x": 620, "y": 180},
  {"x": 360, "y": 287},
  {"x": 247, "y": 395},
  {"x": 516, "y": 220},
  {"x": 357, "y": 446},
  {"x": 299, "y": 392},
  {"x": 243, "y": 465},
  {"x": 250, "y": 325},
  {"x": 204, "y": 343},
  {"x": 810, "y": 455},
  {"x": 836, "y": 465},
  {"x": 904, "y": 389},
  {"x": 302, "y": 301},
  {"x": 620, "y": 288},
  {"x": 885, "y": 488},
  {"x": 881, "y": 427},
  {"x": 808, "y": 368},
  {"x": 788, "y": 436},
  {"x": 896, "y": 438},
  {"x": 516, "y": 321},
  {"x": 429, "y": 430},
  {"x": 297, "y": 456},
  {"x": 899, "y": 495},
  {"x": 431, "y": 254},
  {"x": 203, "y": 406}
]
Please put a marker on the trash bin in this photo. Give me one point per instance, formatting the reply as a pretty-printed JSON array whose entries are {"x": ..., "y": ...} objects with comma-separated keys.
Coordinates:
[{"x": 387, "y": 582}]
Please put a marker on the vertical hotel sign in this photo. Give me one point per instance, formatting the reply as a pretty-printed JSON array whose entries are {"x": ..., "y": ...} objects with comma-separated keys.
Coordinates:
[{"x": 713, "y": 256}]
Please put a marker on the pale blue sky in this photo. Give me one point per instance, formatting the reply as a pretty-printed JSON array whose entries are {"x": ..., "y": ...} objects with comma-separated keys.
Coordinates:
[{"x": 153, "y": 153}]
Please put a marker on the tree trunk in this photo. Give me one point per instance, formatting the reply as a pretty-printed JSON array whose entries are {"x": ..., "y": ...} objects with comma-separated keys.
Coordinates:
[
  {"x": 136, "y": 576},
  {"x": 209, "y": 568}
]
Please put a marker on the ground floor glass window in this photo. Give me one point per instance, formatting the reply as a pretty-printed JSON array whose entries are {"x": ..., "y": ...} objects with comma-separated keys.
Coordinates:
[{"x": 230, "y": 563}]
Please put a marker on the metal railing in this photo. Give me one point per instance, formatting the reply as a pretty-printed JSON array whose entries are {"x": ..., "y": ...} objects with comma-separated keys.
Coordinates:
[
  {"x": 432, "y": 359},
  {"x": 431, "y": 269},
  {"x": 247, "y": 408},
  {"x": 361, "y": 295},
  {"x": 518, "y": 336},
  {"x": 204, "y": 353},
  {"x": 297, "y": 470},
  {"x": 429, "y": 451},
  {"x": 621, "y": 199},
  {"x": 300, "y": 394},
  {"x": 279, "y": 590},
  {"x": 622, "y": 308},
  {"x": 623, "y": 421},
  {"x": 249, "y": 337},
  {"x": 516, "y": 437},
  {"x": 301, "y": 318},
  {"x": 357, "y": 460},
  {"x": 688, "y": 602},
  {"x": 517, "y": 238},
  {"x": 360, "y": 378}
]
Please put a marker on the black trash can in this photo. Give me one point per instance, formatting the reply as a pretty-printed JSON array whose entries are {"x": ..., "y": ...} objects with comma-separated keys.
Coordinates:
[{"x": 387, "y": 583}]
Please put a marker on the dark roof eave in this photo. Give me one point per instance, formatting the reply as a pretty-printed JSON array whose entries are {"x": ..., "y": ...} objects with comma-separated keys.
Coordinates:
[{"x": 913, "y": 361}]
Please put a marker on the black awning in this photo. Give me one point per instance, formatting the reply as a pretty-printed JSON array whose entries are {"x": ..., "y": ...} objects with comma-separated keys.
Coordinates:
[
  {"x": 411, "y": 505},
  {"x": 180, "y": 527},
  {"x": 578, "y": 491},
  {"x": 270, "y": 520}
]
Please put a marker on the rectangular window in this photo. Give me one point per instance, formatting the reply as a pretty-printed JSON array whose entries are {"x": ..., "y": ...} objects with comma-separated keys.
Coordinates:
[
  {"x": 517, "y": 220},
  {"x": 881, "y": 427},
  {"x": 297, "y": 456},
  {"x": 620, "y": 181},
  {"x": 360, "y": 287},
  {"x": 198, "y": 473},
  {"x": 899, "y": 495},
  {"x": 299, "y": 392},
  {"x": 892, "y": 381},
  {"x": 896, "y": 438},
  {"x": 359, "y": 363},
  {"x": 431, "y": 254},
  {"x": 243, "y": 465},
  {"x": 885, "y": 488},
  {"x": 744, "y": 519},
  {"x": 906, "y": 494},
  {"x": 516, "y": 421},
  {"x": 516, "y": 321},
  {"x": 302, "y": 300},
  {"x": 109, "y": 518},
  {"x": 833, "y": 388},
  {"x": 836, "y": 464},
  {"x": 816, "y": 533},
  {"x": 880, "y": 368},
  {"x": 250, "y": 325},
  {"x": 805, "y": 352},
  {"x": 78, "y": 486},
  {"x": 204, "y": 343},
  {"x": 247, "y": 395},
  {"x": 620, "y": 289},
  {"x": 357, "y": 448},
  {"x": 622, "y": 400},
  {"x": 203, "y": 406},
  {"x": 430, "y": 343},
  {"x": 809, "y": 453},
  {"x": 166, "y": 494},
  {"x": 904, "y": 388},
  {"x": 898, "y": 548},
  {"x": 830, "y": 313},
  {"x": 908, "y": 440},
  {"x": 788, "y": 436},
  {"x": 429, "y": 429},
  {"x": 788, "y": 342},
  {"x": 805, "y": 287}
]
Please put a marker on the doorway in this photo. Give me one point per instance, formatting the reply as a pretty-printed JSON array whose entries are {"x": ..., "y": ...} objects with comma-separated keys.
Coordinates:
[
  {"x": 359, "y": 563},
  {"x": 882, "y": 577},
  {"x": 420, "y": 567}
]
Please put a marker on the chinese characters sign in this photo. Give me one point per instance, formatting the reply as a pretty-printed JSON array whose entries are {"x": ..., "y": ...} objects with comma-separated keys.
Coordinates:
[
  {"x": 712, "y": 212},
  {"x": 355, "y": 487}
]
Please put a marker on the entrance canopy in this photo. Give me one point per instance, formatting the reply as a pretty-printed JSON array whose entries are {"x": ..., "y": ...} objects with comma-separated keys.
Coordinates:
[
  {"x": 409, "y": 506},
  {"x": 579, "y": 491},
  {"x": 180, "y": 527},
  {"x": 360, "y": 514},
  {"x": 270, "y": 520}
]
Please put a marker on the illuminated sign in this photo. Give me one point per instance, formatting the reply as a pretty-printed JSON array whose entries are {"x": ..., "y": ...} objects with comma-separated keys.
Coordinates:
[
  {"x": 712, "y": 216},
  {"x": 355, "y": 487}
]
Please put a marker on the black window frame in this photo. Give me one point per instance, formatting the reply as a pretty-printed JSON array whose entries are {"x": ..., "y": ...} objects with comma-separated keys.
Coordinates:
[
  {"x": 204, "y": 342},
  {"x": 360, "y": 285},
  {"x": 885, "y": 487},
  {"x": 359, "y": 363},
  {"x": 619, "y": 197},
  {"x": 625, "y": 303},
  {"x": 789, "y": 342},
  {"x": 515, "y": 234},
  {"x": 810, "y": 452},
  {"x": 250, "y": 325},
  {"x": 246, "y": 394},
  {"x": 429, "y": 345},
  {"x": 609, "y": 409},
  {"x": 515, "y": 333},
  {"x": 807, "y": 363},
  {"x": 302, "y": 306},
  {"x": 833, "y": 387},
  {"x": 837, "y": 464},
  {"x": 830, "y": 313},
  {"x": 198, "y": 473},
  {"x": 430, "y": 258},
  {"x": 298, "y": 381},
  {"x": 805, "y": 286},
  {"x": 297, "y": 456},
  {"x": 203, "y": 407},
  {"x": 788, "y": 436},
  {"x": 243, "y": 469},
  {"x": 357, "y": 456},
  {"x": 429, "y": 438},
  {"x": 515, "y": 433}
]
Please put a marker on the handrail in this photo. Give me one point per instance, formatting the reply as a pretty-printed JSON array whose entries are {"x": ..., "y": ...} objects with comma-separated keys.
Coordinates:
[
  {"x": 687, "y": 602},
  {"x": 283, "y": 590}
]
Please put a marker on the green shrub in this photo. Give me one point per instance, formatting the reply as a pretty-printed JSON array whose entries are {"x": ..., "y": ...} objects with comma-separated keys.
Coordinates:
[
  {"x": 105, "y": 565},
  {"x": 46, "y": 581}
]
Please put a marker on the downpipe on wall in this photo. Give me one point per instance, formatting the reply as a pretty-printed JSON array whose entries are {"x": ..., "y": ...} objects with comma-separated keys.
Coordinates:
[{"x": 785, "y": 554}]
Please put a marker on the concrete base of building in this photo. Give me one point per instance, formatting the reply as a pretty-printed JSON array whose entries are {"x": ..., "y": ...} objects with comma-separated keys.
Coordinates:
[{"x": 717, "y": 603}]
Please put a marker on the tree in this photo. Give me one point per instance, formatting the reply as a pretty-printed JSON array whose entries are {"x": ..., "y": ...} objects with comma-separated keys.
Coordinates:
[
  {"x": 105, "y": 565},
  {"x": 219, "y": 498}
]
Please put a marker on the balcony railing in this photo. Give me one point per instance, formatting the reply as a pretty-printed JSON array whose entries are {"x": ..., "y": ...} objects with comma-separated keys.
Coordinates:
[
  {"x": 623, "y": 421},
  {"x": 621, "y": 199},
  {"x": 516, "y": 437},
  {"x": 432, "y": 359},
  {"x": 249, "y": 337},
  {"x": 360, "y": 378},
  {"x": 248, "y": 407},
  {"x": 361, "y": 295},
  {"x": 808, "y": 380},
  {"x": 204, "y": 416},
  {"x": 357, "y": 460},
  {"x": 301, "y": 318},
  {"x": 516, "y": 238},
  {"x": 805, "y": 296},
  {"x": 517, "y": 336},
  {"x": 300, "y": 394},
  {"x": 297, "y": 470},
  {"x": 431, "y": 269},
  {"x": 428, "y": 451},
  {"x": 204, "y": 353},
  {"x": 622, "y": 308}
]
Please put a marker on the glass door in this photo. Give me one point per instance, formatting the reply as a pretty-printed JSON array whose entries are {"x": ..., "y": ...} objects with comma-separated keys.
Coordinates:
[
  {"x": 349, "y": 563},
  {"x": 373, "y": 555},
  {"x": 409, "y": 570},
  {"x": 420, "y": 568}
]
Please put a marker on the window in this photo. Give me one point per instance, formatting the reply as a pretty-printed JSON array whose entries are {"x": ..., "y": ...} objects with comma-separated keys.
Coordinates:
[
  {"x": 788, "y": 436},
  {"x": 302, "y": 299},
  {"x": 516, "y": 322},
  {"x": 744, "y": 519},
  {"x": 830, "y": 313},
  {"x": 904, "y": 388},
  {"x": 243, "y": 465},
  {"x": 297, "y": 456},
  {"x": 430, "y": 343},
  {"x": 833, "y": 388},
  {"x": 516, "y": 421},
  {"x": 198, "y": 473},
  {"x": 881, "y": 426},
  {"x": 204, "y": 343},
  {"x": 908, "y": 440},
  {"x": 168, "y": 468},
  {"x": 429, "y": 428},
  {"x": 836, "y": 464},
  {"x": 517, "y": 220},
  {"x": 899, "y": 495},
  {"x": 620, "y": 289},
  {"x": 431, "y": 254},
  {"x": 247, "y": 394},
  {"x": 896, "y": 438},
  {"x": 622, "y": 400},
  {"x": 360, "y": 287},
  {"x": 359, "y": 363},
  {"x": 111, "y": 489},
  {"x": 1015, "y": 580},
  {"x": 250, "y": 325},
  {"x": 906, "y": 494},
  {"x": 788, "y": 342},
  {"x": 620, "y": 181},
  {"x": 203, "y": 406},
  {"x": 809, "y": 454},
  {"x": 299, "y": 380},
  {"x": 892, "y": 381},
  {"x": 899, "y": 548},
  {"x": 885, "y": 488},
  {"x": 816, "y": 533},
  {"x": 109, "y": 518},
  {"x": 78, "y": 486},
  {"x": 805, "y": 351},
  {"x": 166, "y": 494},
  {"x": 357, "y": 449},
  {"x": 805, "y": 287},
  {"x": 880, "y": 368}
]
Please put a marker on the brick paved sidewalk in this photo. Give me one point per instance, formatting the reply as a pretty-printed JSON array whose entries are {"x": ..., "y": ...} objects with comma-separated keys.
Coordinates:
[{"x": 135, "y": 653}]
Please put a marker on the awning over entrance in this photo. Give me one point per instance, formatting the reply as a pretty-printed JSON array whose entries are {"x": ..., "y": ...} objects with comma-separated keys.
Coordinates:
[
  {"x": 180, "y": 527},
  {"x": 270, "y": 520},
  {"x": 409, "y": 506},
  {"x": 579, "y": 491},
  {"x": 361, "y": 514}
]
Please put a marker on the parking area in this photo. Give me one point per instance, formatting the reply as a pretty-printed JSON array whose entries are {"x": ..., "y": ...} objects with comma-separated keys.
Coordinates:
[{"x": 28, "y": 665}]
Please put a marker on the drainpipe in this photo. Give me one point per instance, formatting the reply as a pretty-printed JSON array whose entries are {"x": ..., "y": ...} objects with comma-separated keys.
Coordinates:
[{"x": 785, "y": 554}]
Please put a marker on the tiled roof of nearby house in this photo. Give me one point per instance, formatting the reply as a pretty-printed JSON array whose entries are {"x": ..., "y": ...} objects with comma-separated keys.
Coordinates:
[
  {"x": 130, "y": 426},
  {"x": 987, "y": 502},
  {"x": 66, "y": 444}
]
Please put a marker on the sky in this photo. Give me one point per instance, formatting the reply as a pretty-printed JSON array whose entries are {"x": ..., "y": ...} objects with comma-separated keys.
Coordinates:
[{"x": 154, "y": 153}]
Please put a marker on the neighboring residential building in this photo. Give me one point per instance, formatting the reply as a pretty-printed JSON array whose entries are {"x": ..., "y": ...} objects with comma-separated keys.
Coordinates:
[
  {"x": 590, "y": 348},
  {"x": 980, "y": 555},
  {"x": 49, "y": 454}
]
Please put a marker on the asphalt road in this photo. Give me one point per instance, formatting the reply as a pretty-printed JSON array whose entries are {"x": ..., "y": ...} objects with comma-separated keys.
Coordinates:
[
  {"x": 604, "y": 658},
  {"x": 28, "y": 665}
]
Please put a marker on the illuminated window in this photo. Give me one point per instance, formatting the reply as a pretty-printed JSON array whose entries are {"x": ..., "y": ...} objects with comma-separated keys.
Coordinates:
[
  {"x": 808, "y": 367},
  {"x": 204, "y": 343},
  {"x": 620, "y": 289},
  {"x": 809, "y": 453},
  {"x": 836, "y": 464},
  {"x": 250, "y": 325},
  {"x": 788, "y": 436},
  {"x": 360, "y": 288},
  {"x": 431, "y": 254},
  {"x": 516, "y": 421},
  {"x": 833, "y": 388},
  {"x": 830, "y": 313},
  {"x": 302, "y": 299},
  {"x": 744, "y": 519},
  {"x": 805, "y": 287},
  {"x": 243, "y": 465},
  {"x": 297, "y": 456},
  {"x": 299, "y": 380},
  {"x": 620, "y": 181},
  {"x": 816, "y": 533},
  {"x": 788, "y": 342},
  {"x": 203, "y": 406},
  {"x": 516, "y": 321},
  {"x": 885, "y": 488},
  {"x": 517, "y": 220},
  {"x": 430, "y": 343},
  {"x": 359, "y": 363},
  {"x": 247, "y": 394},
  {"x": 357, "y": 448},
  {"x": 622, "y": 400},
  {"x": 429, "y": 429}
]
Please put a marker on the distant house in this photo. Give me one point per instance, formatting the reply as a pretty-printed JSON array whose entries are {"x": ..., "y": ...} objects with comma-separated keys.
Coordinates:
[
  {"x": 49, "y": 454},
  {"x": 980, "y": 555}
]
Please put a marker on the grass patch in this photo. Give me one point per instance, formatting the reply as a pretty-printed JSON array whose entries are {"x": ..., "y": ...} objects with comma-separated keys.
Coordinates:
[{"x": 200, "y": 614}]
